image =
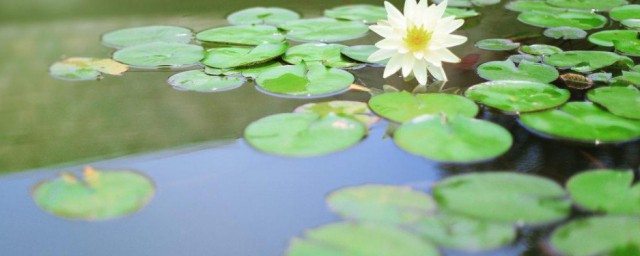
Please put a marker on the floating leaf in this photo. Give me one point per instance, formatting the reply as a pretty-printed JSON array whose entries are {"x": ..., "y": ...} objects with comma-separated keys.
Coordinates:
[
  {"x": 485, "y": 2},
  {"x": 608, "y": 191},
  {"x": 453, "y": 139},
  {"x": 197, "y": 80},
  {"x": 565, "y": 33},
  {"x": 605, "y": 235},
  {"x": 160, "y": 55},
  {"x": 82, "y": 69},
  {"x": 586, "y": 61},
  {"x": 631, "y": 23},
  {"x": 533, "y": 6},
  {"x": 324, "y": 30},
  {"x": 144, "y": 35},
  {"x": 351, "y": 109},
  {"x": 540, "y": 49},
  {"x": 626, "y": 79},
  {"x": 582, "y": 121},
  {"x": 525, "y": 71},
  {"x": 496, "y": 44},
  {"x": 231, "y": 57},
  {"x": 517, "y": 58},
  {"x": 262, "y": 15},
  {"x": 242, "y": 35},
  {"x": 315, "y": 80},
  {"x": 361, "y": 53},
  {"x": 626, "y": 41},
  {"x": 636, "y": 68},
  {"x": 328, "y": 54},
  {"x": 602, "y": 77},
  {"x": 456, "y": 3},
  {"x": 358, "y": 12},
  {"x": 588, "y": 4},
  {"x": 403, "y": 106},
  {"x": 629, "y": 47},
  {"x": 460, "y": 13},
  {"x": 518, "y": 96},
  {"x": 581, "y": 20},
  {"x": 503, "y": 197},
  {"x": 249, "y": 72},
  {"x": 620, "y": 13},
  {"x": 621, "y": 101}
]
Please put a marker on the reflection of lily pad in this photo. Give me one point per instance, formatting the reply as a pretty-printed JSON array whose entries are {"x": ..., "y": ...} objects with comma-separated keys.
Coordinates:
[
  {"x": 160, "y": 55},
  {"x": 621, "y": 101},
  {"x": 453, "y": 139},
  {"x": 314, "y": 80},
  {"x": 262, "y": 15},
  {"x": 82, "y": 69},
  {"x": 358, "y": 12},
  {"x": 303, "y": 134},
  {"x": 503, "y": 197},
  {"x": 540, "y": 49},
  {"x": 99, "y": 196},
  {"x": 565, "y": 33},
  {"x": 588, "y": 4},
  {"x": 144, "y": 35},
  {"x": 496, "y": 44},
  {"x": 518, "y": 96},
  {"x": 197, "y": 80},
  {"x": 242, "y": 35},
  {"x": 525, "y": 71},
  {"x": 249, "y": 72},
  {"x": 403, "y": 106},
  {"x": 620, "y": 13},
  {"x": 328, "y": 54},
  {"x": 583, "y": 121},
  {"x": 231, "y": 57},
  {"x": 608, "y": 191},
  {"x": 586, "y": 61},
  {"x": 606, "y": 235},
  {"x": 324, "y": 30},
  {"x": 581, "y": 20},
  {"x": 361, "y": 53},
  {"x": 351, "y": 109}
]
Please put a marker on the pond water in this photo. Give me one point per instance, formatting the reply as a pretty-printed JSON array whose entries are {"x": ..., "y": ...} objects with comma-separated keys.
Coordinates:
[{"x": 215, "y": 194}]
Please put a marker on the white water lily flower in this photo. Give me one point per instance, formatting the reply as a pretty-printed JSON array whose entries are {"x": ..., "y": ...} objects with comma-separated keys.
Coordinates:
[{"x": 418, "y": 40}]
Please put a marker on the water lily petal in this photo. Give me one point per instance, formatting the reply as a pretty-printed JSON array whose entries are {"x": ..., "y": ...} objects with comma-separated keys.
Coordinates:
[
  {"x": 394, "y": 64},
  {"x": 420, "y": 71},
  {"x": 407, "y": 64},
  {"x": 381, "y": 54}
]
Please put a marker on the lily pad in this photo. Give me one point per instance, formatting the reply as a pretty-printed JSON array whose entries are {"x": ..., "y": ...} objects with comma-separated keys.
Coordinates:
[
  {"x": 350, "y": 109},
  {"x": 517, "y": 58},
  {"x": 358, "y": 12},
  {"x": 324, "y": 30},
  {"x": 503, "y": 197},
  {"x": 456, "y": 139},
  {"x": 586, "y": 61},
  {"x": 378, "y": 203},
  {"x": 403, "y": 106},
  {"x": 144, "y": 35},
  {"x": 328, "y": 54},
  {"x": 587, "y": 4},
  {"x": 198, "y": 81},
  {"x": 621, "y": 101},
  {"x": 631, "y": 23},
  {"x": 625, "y": 41},
  {"x": 242, "y": 35},
  {"x": 518, "y": 96},
  {"x": 533, "y": 6},
  {"x": 540, "y": 49},
  {"x": 606, "y": 235},
  {"x": 582, "y": 121},
  {"x": 100, "y": 195},
  {"x": 485, "y": 2},
  {"x": 565, "y": 33},
  {"x": 160, "y": 55},
  {"x": 262, "y": 15},
  {"x": 456, "y": 3},
  {"x": 602, "y": 77},
  {"x": 249, "y": 72},
  {"x": 581, "y": 20},
  {"x": 626, "y": 79},
  {"x": 361, "y": 53},
  {"x": 314, "y": 80},
  {"x": 460, "y": 13},
  {"x": 608, "y": 191},
  {"x": 231, "y": 57},
  {"x": 303, "y": 134},
  {"x": 496, "y": 44},
  {"x": 525, "y": 71},
  {"x": 83, "y": 69},
  {"x": 625, "y": 12}
]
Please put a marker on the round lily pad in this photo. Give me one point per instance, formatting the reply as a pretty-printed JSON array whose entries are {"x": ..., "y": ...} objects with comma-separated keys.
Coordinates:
[
  {"x": 621, "y": 101},
  {"x": 588, "y": 4},
  {"x": 358, "y": 12},
  {"x": 540, "y": 49},
  {"x": 403, "y": 106},
  {"x": 582, "y": 121},
  {"x": 631, "y": 23},
  {"x": 346, "y": 238},
  {"x": 533, "y": 6},
  {"x": 160, "y": 55},
  {"x": 496, "y": 44},
  {"x": 503, "y": 197},
  {"x": 328, "y": 54},
  {"x": 307, "y": 81},
  {"x": 242, "y": 35},
  {"x": 100, "y": 195},
  {"x": 518, "y": 96},
  {"x": 262, "y": 15},
  {"x": 626, "y": 79},
  {"x": 460, "y": 13},
  {"x": 625, "y": 41},
  {"x": 453, "y": 139},
  {"x": 565, "y": 33},
  {"x": 586, "y": 61},
  {"x": 378, "y": 203},
  {"x": 517, "y": 58},
  {"x": 83, "y": 69},
  {"x": 231, "y": 57},
  {"x": 249, "y": 72},
  {"x": 608, "y": 191},
  {"x": 144, "y": 35},
  {"x": 605, "y": 235},
  {"x": 350, "y": 109},
  {"x": 361, "y": 53},
  {"x": 325, "y": 30},
  {"x": 625, "y": 12},
  {"x": 581, "y": 20},
  {"x": 197, "y": 80},
  {"x": 525, "y": 71},
  {"x": 303, "y": 134}
]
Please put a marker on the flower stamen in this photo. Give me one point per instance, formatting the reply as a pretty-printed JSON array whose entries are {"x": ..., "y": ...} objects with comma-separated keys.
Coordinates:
[{"x": 417, "y": 38}]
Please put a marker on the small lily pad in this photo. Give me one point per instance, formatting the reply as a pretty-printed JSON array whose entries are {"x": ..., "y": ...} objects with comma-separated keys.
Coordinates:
[
  {"x": 198, "y": 81},
  {"x": 83, "y": 69},
  {"x": 100, "y": 195},
  {"x": 625, "y": 12},
  {"x": 586, "y": 61},
  {"x": 525, "y": 71},
  {"x": 231, "y": 57},
  {"x": 602, "y": 77},
  {"x": 608, "y": 191},
  {"x": 312, "y": 80},
  {"x": 249, "y": 72},
  {"x": 144, "y": 35},
  {"x": 518, "y": 96},
  {"x": 358, "y": 12},
  {"x": 460, "y": 13},
  {"x": 496, "y": 44},
  {"x": 361, "y": 53},
  {"x": 324, "y": 30},
  {"x": 588, "y": 4},
  {"x": 403, "y": 106},
  {"x": 456, "y": 3},
  {"x": 581, "y": 20},
  {"x": 626, "y": 79},
  {"x": 456, "y": 139},
  {"x": 485, "y": 2},
  {"x": 160, "y": 55},
  {"x": 533, "y": 6},
  {"x": 328, "y": 54},
  {"x": 303, "y": 134},
  {"x": 517, "y": 58},
  {"x": 565, "y": 33},
  {"x": 350, "y": 109},
  {"x": 503, "y": 197},
  {"x": 582, "y": 121},
  {"x": 605, "y": 235},
  {"x": 540, "y": 49},
  {"x": 242, "y": 35},
  {"x": 262, "y": 15},
  {"x": 621, "y": 101}
]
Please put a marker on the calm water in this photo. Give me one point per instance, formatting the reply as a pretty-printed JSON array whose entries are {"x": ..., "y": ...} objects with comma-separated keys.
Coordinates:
[{"x": 216, "y": 196}]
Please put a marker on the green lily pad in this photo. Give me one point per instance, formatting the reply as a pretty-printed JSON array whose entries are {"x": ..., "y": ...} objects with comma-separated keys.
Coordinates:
[
  {"x": 625, "y": 12},
  {"x": 636, "y": 68},
  {"x": 144, "y": 35},
  {"x": 231, "y": 57},
  {"x": 160, "y": 55},
  {"x": 581, "y": 20},
  {"x": 456, "y": 139},
  {"x": 625, "y": 41},
  {"x": 631, "y": 23},
  {"x": 311, "y": 80},
  {"x": 378, "y": 203},
  {"x": 565, "y": 33},
  {"x": 198, "y": 81},
  {"x": 329, "y": 54},
  {"x": 608, "y": 191},
  {"x": 349, "y": 109},
  {"x": 503, "y": 197},
  {"x": 628, "y": 47},
  {"x": 525, "y": 71},
  {"x": 621, "y": 101},
  {"x": 84, "y": 69},
  {"x": 533, "y": 6},
  {"x": 540, "y": 49},
  {"x": 358, "y": 12},
  {"x": 262, "y": 15},
  {"x": 249, "y": 72},
  {"x": 517, "y": 58},
  {"x": 456, "y": 3},
  {"x": 626, "y": 79},
  {"x": 496, "y": 44},
  {"x": 582, "y": 121},
  {"x": 98, "y": 196},
  {"x": 518, "y": 96},
  {"x": 324, "y": 30},
  {"x": 485, "y": 2},
  {"x": 605, "y": 235},
  {"x": 586, "y": 61},
  {"x": 242, "y": 35},
  {"x": 460, "y": 13},
  {"x": 303, "y": 134},
  {"x": 587, "y": 4},
  {"x": 403, "y": 106},
  {"x": 368, "y": 239},
  {"x": 361, "y": 53}
]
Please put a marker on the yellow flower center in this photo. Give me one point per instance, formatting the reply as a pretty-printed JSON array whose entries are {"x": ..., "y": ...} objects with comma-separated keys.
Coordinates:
[{"x": 417, "y": 38}]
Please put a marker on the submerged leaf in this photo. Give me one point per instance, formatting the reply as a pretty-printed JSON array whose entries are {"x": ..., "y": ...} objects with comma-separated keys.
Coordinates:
[{"x": 565, "y": 33}]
